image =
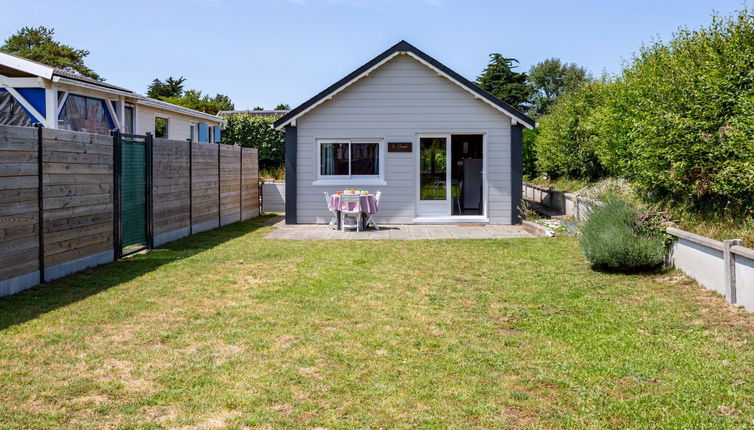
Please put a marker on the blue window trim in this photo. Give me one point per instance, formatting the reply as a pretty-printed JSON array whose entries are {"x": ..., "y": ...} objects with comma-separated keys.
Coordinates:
[{"x": 202, "y": 132}]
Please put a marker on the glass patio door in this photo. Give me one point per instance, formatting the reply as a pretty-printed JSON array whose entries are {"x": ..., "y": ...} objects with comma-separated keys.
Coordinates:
[{"x": 434, "y": 176}]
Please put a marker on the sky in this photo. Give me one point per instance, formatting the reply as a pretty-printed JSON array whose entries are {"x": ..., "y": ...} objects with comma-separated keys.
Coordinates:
[{"x": 265, "y": 52}]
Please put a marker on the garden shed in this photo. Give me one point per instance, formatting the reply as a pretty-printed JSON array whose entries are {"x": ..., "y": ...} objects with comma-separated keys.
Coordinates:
[{"x": 439, "y": 148}]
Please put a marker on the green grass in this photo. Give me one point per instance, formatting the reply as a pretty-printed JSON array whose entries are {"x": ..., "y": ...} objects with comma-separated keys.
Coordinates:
[{"x": 227, "y": 329}]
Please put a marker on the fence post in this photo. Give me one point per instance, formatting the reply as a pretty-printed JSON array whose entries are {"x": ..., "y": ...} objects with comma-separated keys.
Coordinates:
[
  {"x": 191, "y": 185},
  {"x": 117, "y": 244},
  {"x": 219, "y": 198},
  {"x": 240, "y": 183},
  {"x": 729, "y": 266},
  {"x": 149, "y": 161},
  {"x": 40, "y": 202}
]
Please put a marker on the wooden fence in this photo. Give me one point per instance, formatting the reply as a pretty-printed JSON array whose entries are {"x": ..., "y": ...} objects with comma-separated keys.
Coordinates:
[{"x": 67, "y": 224}]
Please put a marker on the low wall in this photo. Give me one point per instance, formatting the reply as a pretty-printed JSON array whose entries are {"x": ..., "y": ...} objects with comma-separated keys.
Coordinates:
[
  {"x": 568, "y": 204},
  {"x": 724, "y": 267},
  {"x": 273, "y": 196}
]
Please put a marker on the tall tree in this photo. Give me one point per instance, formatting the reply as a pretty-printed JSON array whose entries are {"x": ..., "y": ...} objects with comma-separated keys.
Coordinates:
[
  {"x": 172, "y": 87},
  {"x": 551, "y": 78},
  {"x": 283, "y": 106},
  {"x": 500, "y": 80},
  {"x": 37, "y": 44}
]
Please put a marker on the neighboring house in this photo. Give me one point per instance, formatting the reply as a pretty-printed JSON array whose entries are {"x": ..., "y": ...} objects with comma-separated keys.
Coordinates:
[
  {"x": 440, "y": 149},
  {"x": 32, "y": 93},
  {"x": 265, "y": 113}
]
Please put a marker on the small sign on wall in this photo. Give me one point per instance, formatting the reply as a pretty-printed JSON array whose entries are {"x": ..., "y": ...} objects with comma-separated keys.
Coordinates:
[{"x": 399, "y": 147}]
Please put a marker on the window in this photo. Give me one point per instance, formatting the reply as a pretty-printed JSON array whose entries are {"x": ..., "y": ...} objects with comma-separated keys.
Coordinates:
[
  {"x": 345, "y": 158},
  {"x": 86, "y": 114},
  {"x": 160, "y": 127},
  {"x": 11, "y": 112},
  {"x": 128, "y": 115},
  {"x": 191, "y": 131}
]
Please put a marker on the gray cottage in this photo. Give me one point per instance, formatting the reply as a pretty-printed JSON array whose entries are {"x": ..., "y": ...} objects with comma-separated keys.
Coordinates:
[{"x": 439, "y": 148}]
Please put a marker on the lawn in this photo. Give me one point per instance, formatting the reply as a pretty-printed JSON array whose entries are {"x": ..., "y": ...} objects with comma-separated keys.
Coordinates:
[{"x": 227, "y": 329}]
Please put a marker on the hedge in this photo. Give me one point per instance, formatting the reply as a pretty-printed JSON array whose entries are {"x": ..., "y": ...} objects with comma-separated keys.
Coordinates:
[{"x": 678, "y": 121}]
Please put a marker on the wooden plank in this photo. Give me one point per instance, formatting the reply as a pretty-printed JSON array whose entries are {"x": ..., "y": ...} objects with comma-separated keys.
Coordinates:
[
  {"x": 18, "y": 157},
  {"x": 9, "y": 196},
  {"x": 76, "y": 190},
  {"x": 54, "y": 214},
  {"x": 52, "y": 248},
  {"x": 74, "y": 233},
  {"x": 18, "y": 182},
  {"x": 77, "y": 158},
  {"x": 74, "y": 222},
  {"x": 20, "y": 244},
  {"x": 19, "y": 232},
  {"x": 16, "y": 264},
  {"x": 69, "y": 168},
  {"x": 68, "y": 179},
  {"x": 74, "y": 201},
  {"x": 78, "y": 147},
  {"x": 77, "y": 253},
  {"x": 12, "y": 208},
  {"x": 18, "y": 219}
]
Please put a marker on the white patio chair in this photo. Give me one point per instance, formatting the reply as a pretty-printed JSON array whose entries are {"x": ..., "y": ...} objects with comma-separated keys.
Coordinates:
[
  {"x": 370, "y": 220},
  {"x": 354, "y": 212},
  {"x": 334, "y": 220}
]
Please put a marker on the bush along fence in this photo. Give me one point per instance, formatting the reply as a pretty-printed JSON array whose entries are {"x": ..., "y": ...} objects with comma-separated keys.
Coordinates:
[
  {"x": 726, "y": 267},
  {"x": 72, "y": 200}
]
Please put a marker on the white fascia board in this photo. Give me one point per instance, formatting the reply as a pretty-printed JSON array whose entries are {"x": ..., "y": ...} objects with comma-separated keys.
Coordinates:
[
  {"x": 344, "y": 86},
  {"x": 178, "y": 109},
  {"x": 27, "y": 66},
  {"x": 77, "y": 83},
  {"x": 35, "y": 82}
]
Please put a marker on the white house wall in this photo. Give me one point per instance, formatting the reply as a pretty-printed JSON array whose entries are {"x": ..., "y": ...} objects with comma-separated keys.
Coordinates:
[
  {"x": 178, "y": 124},
  {"x": 394, "y": 103}
]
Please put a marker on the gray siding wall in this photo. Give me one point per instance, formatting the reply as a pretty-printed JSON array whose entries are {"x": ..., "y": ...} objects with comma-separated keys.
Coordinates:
[{"x": 394, "y": 103}]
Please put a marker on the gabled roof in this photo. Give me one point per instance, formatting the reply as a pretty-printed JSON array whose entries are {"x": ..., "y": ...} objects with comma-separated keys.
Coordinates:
[{"x": 397, "y": 49}]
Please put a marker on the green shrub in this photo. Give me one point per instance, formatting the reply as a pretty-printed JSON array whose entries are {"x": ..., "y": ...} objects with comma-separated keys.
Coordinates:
[
  {"x": 612, "y": 238},
  {"x": 564, "y": 143},
  {"x": 676, "y": 122},
  {"x": 257, "y": 132}
]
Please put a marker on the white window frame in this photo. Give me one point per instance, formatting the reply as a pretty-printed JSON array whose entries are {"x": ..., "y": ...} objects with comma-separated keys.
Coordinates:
[{"x": 349, "y": 179}]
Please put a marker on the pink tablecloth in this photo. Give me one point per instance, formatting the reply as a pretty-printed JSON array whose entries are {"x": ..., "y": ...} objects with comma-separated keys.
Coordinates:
[{"x": 368, "y": 203}]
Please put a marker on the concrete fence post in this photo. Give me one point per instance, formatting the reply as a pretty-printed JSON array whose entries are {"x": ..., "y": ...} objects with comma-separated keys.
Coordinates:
[{"x": 729, "y": 266}]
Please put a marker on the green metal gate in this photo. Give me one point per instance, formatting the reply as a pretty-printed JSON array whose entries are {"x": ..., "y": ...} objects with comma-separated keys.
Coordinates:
[{"x": 133, "y": 183}]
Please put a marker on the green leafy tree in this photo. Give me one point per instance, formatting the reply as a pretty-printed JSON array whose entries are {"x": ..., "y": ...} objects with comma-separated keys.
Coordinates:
[
  {"x": 551, "y": 78},
  {"x": 194, "y": 99},
  {"x": 258, "y": 108},
  {"x": 500, "y": 80},
  {"x": 257, "y": 132},
  {"x": 172, "y": 87},
  {"x": 171, "y": 91},
  {"x": 283, "y": 106},
  {"x": 37, "y": 44}
]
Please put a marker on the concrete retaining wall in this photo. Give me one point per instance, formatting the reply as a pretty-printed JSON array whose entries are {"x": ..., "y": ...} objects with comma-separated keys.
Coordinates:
[{"x": 273, "y": 196}]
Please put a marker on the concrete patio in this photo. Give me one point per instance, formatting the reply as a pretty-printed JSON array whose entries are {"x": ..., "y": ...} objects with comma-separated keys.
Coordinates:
[{"x": 400, "y": 232}]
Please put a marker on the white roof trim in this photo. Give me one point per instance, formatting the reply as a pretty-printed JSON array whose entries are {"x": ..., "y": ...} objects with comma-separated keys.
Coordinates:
[
  {"x": 178, "y": 109},
  {"x": 417, "y": 58},
  {"x": 82, "y": 84},
  {"x": 27, "y": 66},
  {"x": 346, "y": 85},
  {"x": 476, "y": 96}
]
